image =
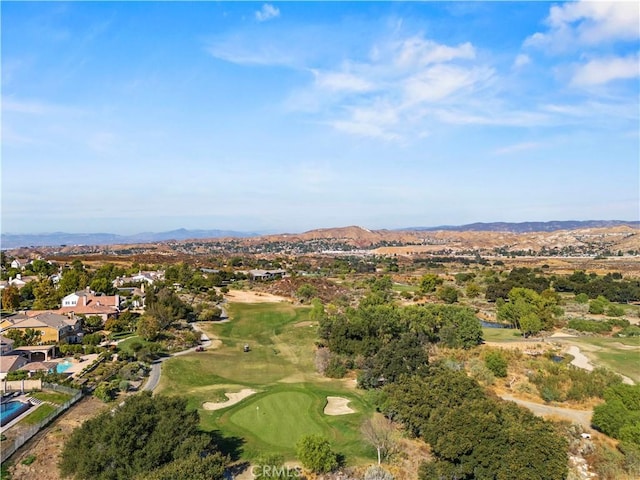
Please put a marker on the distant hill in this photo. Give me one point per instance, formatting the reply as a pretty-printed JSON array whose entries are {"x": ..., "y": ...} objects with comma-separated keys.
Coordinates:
[
  {"x": 525, "y": 227},
  {"x": 8, "y": 240}
]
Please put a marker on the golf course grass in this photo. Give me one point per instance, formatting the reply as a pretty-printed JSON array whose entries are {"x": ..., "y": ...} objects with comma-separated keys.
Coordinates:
[{"x": 280, "y": 367}]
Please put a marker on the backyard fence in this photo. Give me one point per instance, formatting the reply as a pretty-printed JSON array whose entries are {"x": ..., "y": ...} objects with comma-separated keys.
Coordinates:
[
  {"x": 22, "y": 385},
  {"x": 10, "y": 445}
]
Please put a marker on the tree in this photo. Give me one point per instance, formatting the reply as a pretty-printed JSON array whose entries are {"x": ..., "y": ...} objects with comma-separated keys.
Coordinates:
[
  {"x": 448, "y": 294},
  {"x": 10, "y": 298},
  {"x": 148, "y": 327},
  {"x": 429, "y": 282},
  {"x": 472, "y": 290},
  {"x": 46, "y": 296},
  {"x": 529, "y": 311},
  {"x": 379, "y": 432},
  {"x": 193, "y": 467},
  {"x": 30, "y": 336},
  {"x": 92, "y": 323},
  {"x": 306, "y": 292},
  {"x": 138, "y": 440},
  {"x": 315, "y": 454}
]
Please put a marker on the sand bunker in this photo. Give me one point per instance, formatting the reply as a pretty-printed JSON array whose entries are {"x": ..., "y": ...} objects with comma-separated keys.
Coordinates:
[
  {"x": 233, "y": 399},
  {"x": 241, "y": 296},
  {"x": 337, "y": 406}
]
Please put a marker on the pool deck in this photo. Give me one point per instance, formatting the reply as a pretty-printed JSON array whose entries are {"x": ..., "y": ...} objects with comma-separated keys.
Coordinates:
[
  {"x": 78, "y": 365},
  {"x": 20, "y": 398}
]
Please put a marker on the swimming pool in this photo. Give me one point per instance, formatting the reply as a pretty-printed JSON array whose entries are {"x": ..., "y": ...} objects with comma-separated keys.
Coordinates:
[
  {"x": 10, "y": 410},
  {"x": 63, "y": 366}
]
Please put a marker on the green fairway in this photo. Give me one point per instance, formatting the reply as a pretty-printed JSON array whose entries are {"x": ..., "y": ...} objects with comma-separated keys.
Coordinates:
[
  {"x": 280, "y": 367},
  {"x": 621, "y": 355}
]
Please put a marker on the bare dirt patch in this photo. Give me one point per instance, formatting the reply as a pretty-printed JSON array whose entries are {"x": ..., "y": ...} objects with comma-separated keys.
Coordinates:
[
  {"x": 233, "y": 399},
  {"x": 242, "y": 296},
  {"x": 47, "y": 445},
  {"x": 338, "y": 406}
]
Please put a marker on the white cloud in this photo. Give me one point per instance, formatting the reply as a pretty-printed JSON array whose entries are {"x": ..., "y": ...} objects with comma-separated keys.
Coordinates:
[
  {"x": 604, "y": 70},
  {"x": 341, "y": 81},
  {"x": 521, "y": 60},
  {"x": 267, "y": 12},
  {"x": 588, "y": 23}
]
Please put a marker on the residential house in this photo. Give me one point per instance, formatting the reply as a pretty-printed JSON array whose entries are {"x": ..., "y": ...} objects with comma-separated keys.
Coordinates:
[
  {"x": 6, "y": 345},
  {"x": 10, "y": 363},
  {"x": 263, "y": 275},
  {"x": 141, "y": 277},
  {"x": 35, "y": 367},
  {"x": 20, "y": 263},
  {"x": 87, "y": 303},
  {"x": 17, "y": 282},
  {"x": 52, "y": 326}
]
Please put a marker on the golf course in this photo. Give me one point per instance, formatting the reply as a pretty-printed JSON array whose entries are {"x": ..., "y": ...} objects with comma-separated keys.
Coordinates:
[{"x": 275, "y": 394}]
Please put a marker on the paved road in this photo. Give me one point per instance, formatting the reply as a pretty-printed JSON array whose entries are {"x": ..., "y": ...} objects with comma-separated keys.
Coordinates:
[
  {"x": 156, "y": 367},
  {"x": 583, "y": 417}
]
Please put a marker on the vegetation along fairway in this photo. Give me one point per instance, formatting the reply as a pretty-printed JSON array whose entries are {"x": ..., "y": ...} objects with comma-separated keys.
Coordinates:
[{"x": 280, "y": 367}]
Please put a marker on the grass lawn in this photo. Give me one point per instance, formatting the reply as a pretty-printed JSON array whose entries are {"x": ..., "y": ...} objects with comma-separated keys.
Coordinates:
[
  {"x": 280, "y": 367},
  {"x": 53, "y": 397},
  {"x": 401, "y": 287},
  {"x": 39, "y": 414},
  {"x": 501, "y": 335}
]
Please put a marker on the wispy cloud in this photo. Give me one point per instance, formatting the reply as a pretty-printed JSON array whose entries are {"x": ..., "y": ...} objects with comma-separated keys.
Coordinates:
[
  {"x": 267, "y": 12},
  {"x": 516, "y": 148}
]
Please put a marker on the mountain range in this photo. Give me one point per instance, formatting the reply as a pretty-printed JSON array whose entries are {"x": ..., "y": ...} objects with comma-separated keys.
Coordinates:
[{"x": 9, "y": 241}]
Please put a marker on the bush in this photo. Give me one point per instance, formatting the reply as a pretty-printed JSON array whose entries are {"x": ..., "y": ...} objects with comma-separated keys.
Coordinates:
[
  {"x": 315, "y": 454},
  {"x": 630, "y": 331},
  {"x": 615, "y": 311},
  {"x": 496, "y": 362},
  {"x": 591, "y": 326},
  {"x": 582, "y": 298}
]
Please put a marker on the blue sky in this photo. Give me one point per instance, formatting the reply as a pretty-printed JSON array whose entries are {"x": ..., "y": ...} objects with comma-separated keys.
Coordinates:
[{"x": 130, "y": 117}]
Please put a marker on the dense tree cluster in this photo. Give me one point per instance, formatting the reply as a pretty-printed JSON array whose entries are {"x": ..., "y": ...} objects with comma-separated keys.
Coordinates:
[
  {"x": 147, "y": 438},
  {"x": 517, "y": 278},
  {"x": 611, "y": 286},
  {"x": 473, "y": 436},
  {"x": 386, "y": 341},
  {"x": 619, "y": 416}
]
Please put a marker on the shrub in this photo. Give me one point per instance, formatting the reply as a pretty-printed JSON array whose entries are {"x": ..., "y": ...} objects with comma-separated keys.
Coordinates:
[
  {"x": 496, "y": 362},
  {"x": 615, "y": 311},
  {"x": 591, "y": 326},
  {"x": 315, "y": 454},
  {"x": 582, "y": 298}
]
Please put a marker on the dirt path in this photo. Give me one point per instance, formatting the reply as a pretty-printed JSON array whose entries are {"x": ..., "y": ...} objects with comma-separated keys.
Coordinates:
[
  {"x": 47, "y": 445},
  {"x": 583, "y": 417}
]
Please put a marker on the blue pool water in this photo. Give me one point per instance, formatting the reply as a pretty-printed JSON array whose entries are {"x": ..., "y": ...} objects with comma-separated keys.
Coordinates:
[
  {"x": 8, "y": 410},
  {"x": 63, "y": 366}
]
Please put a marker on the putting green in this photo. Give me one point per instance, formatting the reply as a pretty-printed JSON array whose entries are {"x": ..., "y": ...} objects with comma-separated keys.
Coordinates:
[{"x": 280, "y": 419}]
